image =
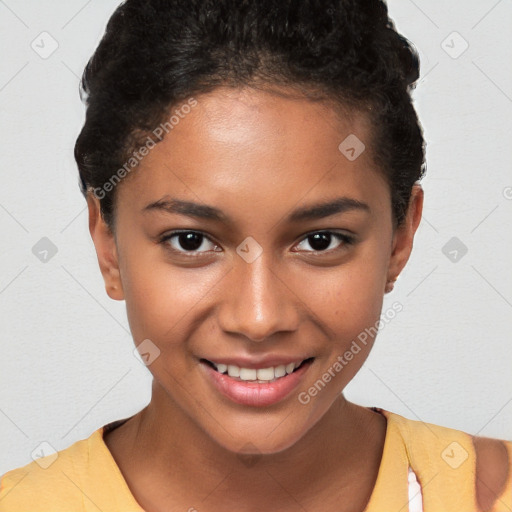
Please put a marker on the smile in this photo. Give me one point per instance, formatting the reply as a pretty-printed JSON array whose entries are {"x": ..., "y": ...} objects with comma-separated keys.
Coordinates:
[
  {"x": 255, "y": 386},
  {"x": 261, "y": 375}
]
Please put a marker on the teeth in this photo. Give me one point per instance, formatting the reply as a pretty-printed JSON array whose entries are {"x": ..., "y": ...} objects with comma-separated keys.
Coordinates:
[
  {"x": 233, "y": 371},
  {"x": 222, "y": 368},
  {"x": 261, "y": 375},
  {"x": 265, "y": 373},
  {"x": 280, "y": 371},
  {"x": 247, "y": 374},
  {"x": 290, "y": 367}
]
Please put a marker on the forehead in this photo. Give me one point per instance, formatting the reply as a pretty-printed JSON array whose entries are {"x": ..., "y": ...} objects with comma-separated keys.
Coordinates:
[{"x": 253, "y": 147}]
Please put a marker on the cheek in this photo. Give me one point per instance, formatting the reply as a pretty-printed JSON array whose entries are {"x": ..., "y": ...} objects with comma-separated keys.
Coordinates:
[
  {"x": 351, "y": 309},
  {"x": 161, "y": 298},
  {"x": 351, "y": 298}
]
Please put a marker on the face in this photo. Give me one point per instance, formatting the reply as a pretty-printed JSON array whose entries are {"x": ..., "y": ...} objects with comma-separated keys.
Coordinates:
[{"x": 261, "y": 275}]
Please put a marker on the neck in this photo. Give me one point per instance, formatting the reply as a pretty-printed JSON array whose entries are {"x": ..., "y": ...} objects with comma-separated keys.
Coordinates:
[{"x": 342, "y": 451}]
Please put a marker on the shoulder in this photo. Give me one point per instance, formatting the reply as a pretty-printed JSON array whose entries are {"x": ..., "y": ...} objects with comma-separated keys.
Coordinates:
[
  {"x": 55, "y": 479},
  {"x": 493, "y": 469},
  {"x": 474, "y": 466}
]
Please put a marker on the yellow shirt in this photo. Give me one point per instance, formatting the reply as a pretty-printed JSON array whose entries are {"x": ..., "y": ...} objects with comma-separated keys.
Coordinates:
[{"x": 85, "y": 477}]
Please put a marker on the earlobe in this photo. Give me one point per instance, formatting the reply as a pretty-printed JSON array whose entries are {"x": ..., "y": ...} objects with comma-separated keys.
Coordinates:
[
  {"x": 390, "y": 284},
  {"x": 106, "y": 249},
  {"x": 403, "y": 237}
]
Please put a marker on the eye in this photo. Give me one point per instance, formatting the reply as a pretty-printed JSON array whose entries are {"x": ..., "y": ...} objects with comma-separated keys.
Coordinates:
[
  {"x": 322, "y": 241},
  {"x": 188, "y": 242}
]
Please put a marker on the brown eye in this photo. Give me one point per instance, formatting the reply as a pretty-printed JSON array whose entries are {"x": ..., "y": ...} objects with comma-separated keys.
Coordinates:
[
  {"x": 188, "y": 242},
  {"x": 326, "y": 241}
]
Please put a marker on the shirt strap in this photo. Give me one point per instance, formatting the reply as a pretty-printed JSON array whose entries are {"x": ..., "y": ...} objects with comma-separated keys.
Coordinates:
[{"x": 415, "y": 495}]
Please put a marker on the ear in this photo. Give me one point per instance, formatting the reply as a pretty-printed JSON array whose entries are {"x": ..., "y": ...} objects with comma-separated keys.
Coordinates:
[
  {"x": 106, "y": 249},
  {"x": 404, "y": 236}
]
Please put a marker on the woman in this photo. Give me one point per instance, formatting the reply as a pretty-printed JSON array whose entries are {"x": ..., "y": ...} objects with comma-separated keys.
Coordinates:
[{"x": 251, "y": 171}]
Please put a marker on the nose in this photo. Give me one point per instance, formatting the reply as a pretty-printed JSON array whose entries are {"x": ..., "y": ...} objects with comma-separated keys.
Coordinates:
[{"x": 257, "y": 301}]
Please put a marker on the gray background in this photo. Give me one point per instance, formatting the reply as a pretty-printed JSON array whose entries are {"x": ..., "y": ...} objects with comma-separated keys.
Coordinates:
[{"x": 67, "y": 365}]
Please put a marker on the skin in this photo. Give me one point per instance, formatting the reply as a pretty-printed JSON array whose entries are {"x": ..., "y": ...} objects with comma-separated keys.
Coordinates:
[{"x": 256, "y": 156}]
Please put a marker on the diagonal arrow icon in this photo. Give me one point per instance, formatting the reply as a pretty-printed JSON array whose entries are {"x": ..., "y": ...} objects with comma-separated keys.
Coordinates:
[
  {"x": 249, "y": 249},
  {"x": 351, "y": 147}
]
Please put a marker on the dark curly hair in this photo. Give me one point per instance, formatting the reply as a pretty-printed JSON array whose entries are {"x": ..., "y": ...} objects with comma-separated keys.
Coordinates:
[{"x": 156, "y": 53}]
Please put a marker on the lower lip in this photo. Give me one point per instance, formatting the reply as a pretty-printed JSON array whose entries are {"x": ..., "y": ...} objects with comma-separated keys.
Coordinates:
[{"x": 254, "y": 393}]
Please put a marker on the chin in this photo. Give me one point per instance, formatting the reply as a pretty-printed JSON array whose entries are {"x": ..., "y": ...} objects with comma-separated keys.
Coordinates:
[{"x": 263, "y": 435}]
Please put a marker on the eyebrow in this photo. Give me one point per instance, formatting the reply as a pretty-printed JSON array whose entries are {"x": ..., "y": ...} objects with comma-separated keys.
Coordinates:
[{"x": 310, "y": 212}]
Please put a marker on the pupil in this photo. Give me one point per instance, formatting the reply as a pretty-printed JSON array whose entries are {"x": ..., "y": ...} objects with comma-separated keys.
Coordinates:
[
  {"x": 320, "y": 240},
  {"x": 190, "y": 241}
]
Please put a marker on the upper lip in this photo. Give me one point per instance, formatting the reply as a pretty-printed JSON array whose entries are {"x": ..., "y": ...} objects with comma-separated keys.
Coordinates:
[{"x": 258, "y": 363}]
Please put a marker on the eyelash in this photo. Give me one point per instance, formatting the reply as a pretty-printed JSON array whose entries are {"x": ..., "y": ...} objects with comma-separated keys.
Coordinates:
[{"x": 342, "y": 237}]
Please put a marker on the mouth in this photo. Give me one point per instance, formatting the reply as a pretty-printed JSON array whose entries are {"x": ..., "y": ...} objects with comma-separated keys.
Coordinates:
[
  {"x": 259, "y": 375},
  {"x": 255, "y": 387}
]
